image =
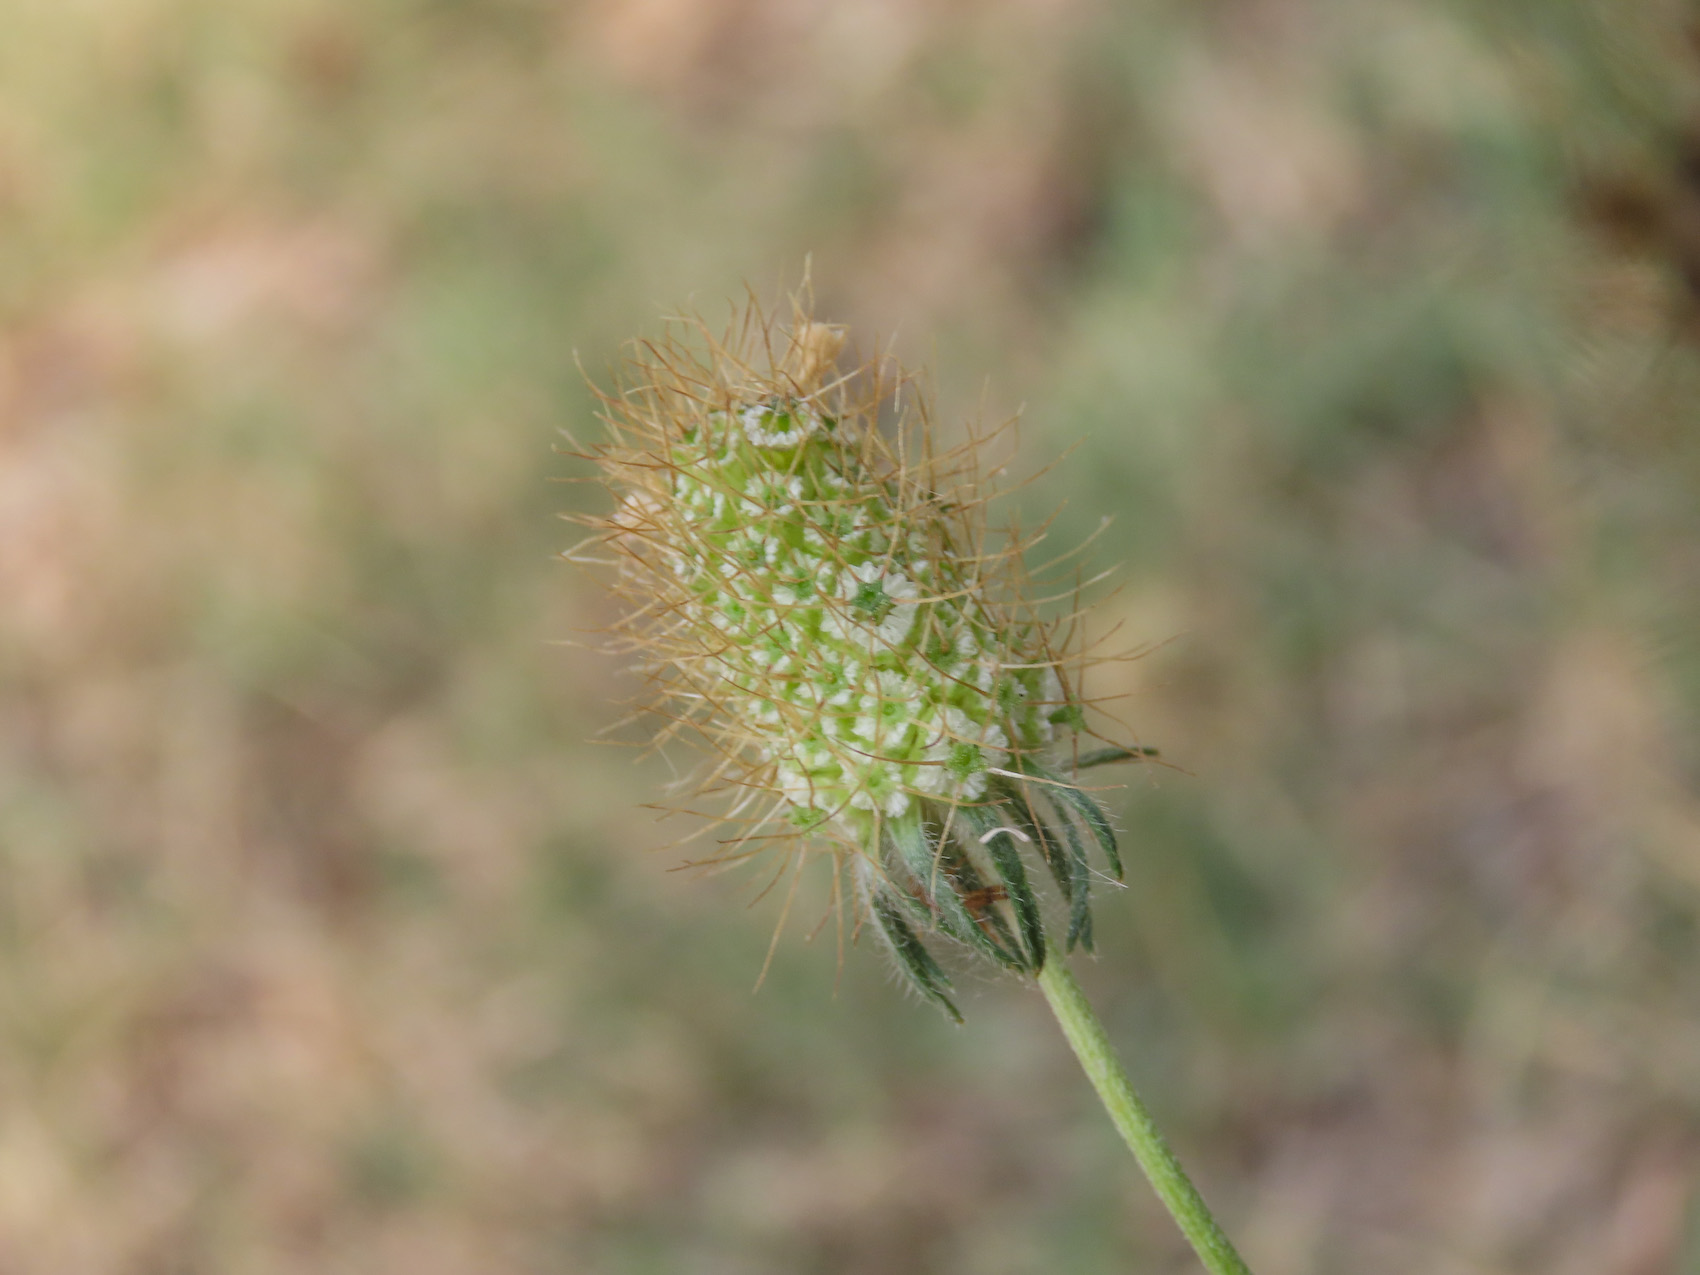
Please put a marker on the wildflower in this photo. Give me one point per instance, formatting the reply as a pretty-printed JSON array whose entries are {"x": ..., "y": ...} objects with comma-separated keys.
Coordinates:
[{"x": 815, "y": 592}]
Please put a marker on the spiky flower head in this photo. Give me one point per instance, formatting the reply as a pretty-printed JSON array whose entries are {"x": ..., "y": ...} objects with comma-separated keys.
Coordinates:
[{"x": 815, "y": 593}]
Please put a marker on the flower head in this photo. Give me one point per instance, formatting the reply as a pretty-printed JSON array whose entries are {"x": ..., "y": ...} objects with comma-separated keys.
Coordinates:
[{"x": 814, "y": 590}]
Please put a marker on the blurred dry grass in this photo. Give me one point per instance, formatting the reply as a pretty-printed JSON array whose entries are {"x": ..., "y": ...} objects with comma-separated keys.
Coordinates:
[{"x": 328, "y": 943}]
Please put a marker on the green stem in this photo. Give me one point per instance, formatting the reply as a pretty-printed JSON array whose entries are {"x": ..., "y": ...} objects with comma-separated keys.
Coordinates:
[{"x": 1086, "y": 1034}]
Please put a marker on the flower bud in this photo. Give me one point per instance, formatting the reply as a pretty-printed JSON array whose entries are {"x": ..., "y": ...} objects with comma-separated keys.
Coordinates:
[{"x": 814, "y": 589}]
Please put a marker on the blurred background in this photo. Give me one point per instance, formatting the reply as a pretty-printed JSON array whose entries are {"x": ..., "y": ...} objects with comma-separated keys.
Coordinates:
[{"x": 329, "y": 943}]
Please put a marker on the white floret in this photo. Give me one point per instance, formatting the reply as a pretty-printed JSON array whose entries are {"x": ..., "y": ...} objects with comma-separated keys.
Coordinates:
[{"x": 755, "y": 420}]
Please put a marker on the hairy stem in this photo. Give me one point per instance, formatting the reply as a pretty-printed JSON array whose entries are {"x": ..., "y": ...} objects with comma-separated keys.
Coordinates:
[{"x": 1086, "y": 1034}]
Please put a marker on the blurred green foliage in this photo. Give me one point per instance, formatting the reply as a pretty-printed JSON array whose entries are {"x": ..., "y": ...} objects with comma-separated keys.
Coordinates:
[{"x": 327, "y": 941}]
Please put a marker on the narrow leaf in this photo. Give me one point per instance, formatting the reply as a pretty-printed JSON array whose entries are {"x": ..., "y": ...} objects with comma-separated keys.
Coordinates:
[
  {"x": 917, "y": 964},
  {"x": 1017, "y": 803},
  {"x": 1088, "y": 809},
  {"x": 1080, "y": 909},
  {"x": 1109, "y": 756},
  {"x": 922, "y": 857},
  {"x": 1004, "y": 848}
]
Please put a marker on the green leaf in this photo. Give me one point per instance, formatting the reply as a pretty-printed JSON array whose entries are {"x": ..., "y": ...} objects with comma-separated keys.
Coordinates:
[
  {"x": 1065, "y": 796},
  {"x": 1109, "y": 756},
  {"x": 939, "y": 881},
  {"x": 1004, "y": 848},
  {"x": 917, "y": 964},
  {"x": 1018, "y": 805},
  {"x": 1080, "y": 911}
]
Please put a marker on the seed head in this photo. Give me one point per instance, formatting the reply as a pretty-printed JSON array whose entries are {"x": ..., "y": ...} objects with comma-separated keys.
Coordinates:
[{"x": 814, "y": 592}]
